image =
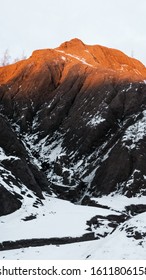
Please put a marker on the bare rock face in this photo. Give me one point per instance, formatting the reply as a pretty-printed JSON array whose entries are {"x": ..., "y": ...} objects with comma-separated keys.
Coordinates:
[
  {"x": 8, "y": 202},
  {"x": 73, "y": 122}
]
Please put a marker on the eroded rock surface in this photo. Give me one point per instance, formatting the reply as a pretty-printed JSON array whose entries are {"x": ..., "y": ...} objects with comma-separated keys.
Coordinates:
[{"x": 73, "y": 122}]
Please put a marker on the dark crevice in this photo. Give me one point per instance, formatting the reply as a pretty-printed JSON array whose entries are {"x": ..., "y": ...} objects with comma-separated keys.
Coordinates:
[{"x": 25, "y": 243}]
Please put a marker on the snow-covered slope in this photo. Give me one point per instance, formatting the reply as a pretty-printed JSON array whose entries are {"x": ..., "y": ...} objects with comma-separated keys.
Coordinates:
[{"x": 58, "y": 218}]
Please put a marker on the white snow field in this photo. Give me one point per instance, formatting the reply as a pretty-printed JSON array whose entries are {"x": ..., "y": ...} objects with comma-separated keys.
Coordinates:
[{"x": 60, "y": 218}]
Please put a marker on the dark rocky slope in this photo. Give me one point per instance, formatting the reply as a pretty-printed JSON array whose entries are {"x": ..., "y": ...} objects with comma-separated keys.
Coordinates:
[{"x": 73, "y": 123}]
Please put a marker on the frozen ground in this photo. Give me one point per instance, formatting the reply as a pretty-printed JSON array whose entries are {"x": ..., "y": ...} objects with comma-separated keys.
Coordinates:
[
  {"x": 60, "y": 218},
  {"x": 116, "y": 247},
  {"x": 55, "y": 218}
]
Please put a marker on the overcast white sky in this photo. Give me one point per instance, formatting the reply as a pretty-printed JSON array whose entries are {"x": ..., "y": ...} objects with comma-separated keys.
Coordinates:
[{"x": 26, "y": 25}]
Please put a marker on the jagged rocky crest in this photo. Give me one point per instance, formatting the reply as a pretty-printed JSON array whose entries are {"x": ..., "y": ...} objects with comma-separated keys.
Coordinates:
[{"x": 73, "y": 125}]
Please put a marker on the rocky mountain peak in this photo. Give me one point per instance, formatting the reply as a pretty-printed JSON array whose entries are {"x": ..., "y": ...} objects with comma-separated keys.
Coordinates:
[
  {"x": 78, "y": 98},
  {"x": 72, "y": 44},
  {"x": 100, "y": 57},
  {"x": 102, "y": 61},
  {"x": 73, "y": 127}
]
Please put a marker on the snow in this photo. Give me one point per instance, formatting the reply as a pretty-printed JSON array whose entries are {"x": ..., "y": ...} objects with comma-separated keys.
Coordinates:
[
  {"x": 63, "y": 58},
  {"x": 7, "y": 179},
  {"x": 55, "y": 218},
  {"x": 59, "y": 218},
  {"x": 118, "y": 202},
  {"x": 95, "y": 120},
  {"x": 115, "y": 246},
  {"x": 130, "y": 86},
  {"x": 47, "y": 152},
  {"x": 56, "y": 151},
  {"x": 118, "y": 246},
  {"x": 92, "y": 250},
  {"x": 81, "y": 59},
  {"x": 89, "y": 178},
  {"x": 135, "y": 132},
  {"x": 4, "y": 157}
]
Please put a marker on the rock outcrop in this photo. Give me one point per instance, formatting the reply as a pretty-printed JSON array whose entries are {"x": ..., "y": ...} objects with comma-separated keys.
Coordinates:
[{"x": 73, "y": 123}]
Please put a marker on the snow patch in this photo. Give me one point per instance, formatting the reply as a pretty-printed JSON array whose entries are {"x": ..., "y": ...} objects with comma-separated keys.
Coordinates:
[
  {"x": 95, "y": 120},
  {"x": 136, "y": 132},
  {"x": 4, "y": 157},
  {"x": 81, "y": 59},
  {"x": 53, "y": 219}
]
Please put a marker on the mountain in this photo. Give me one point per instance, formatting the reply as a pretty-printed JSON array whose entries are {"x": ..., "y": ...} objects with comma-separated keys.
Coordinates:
[{"x": 73, "y": 131}]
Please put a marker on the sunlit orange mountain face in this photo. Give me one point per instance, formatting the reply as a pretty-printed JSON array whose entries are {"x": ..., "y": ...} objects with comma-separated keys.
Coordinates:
[
  {"x": 73, "y": 129},
  {"x": 73, "y": 118},
  {"x": 105, "y": 63}
]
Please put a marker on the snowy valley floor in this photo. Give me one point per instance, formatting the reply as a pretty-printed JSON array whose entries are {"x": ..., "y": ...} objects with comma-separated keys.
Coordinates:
[{"x": 60, "y": 218}]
